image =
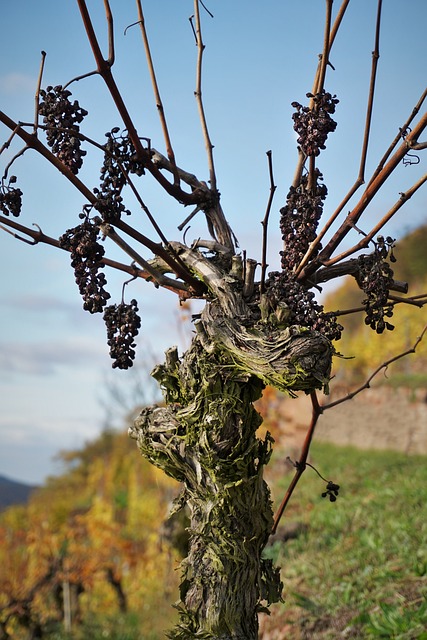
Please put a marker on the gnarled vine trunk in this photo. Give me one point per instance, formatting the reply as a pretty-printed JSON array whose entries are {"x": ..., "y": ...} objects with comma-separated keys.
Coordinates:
[{"x": 205, "y": 437}]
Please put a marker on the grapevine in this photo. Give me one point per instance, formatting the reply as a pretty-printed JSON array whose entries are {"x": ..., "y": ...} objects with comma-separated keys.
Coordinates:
[
  {"x": 123, "y": 323},
  {"x": 62, "y": 119},
  {"x": 86, "y": 260}
]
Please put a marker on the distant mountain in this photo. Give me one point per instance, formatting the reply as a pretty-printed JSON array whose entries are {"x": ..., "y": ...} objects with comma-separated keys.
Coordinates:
[{"x": 13, "y": 492}]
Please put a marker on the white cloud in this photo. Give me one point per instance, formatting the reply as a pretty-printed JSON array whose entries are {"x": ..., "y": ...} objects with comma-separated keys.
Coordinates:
[
  {"x": 44, "y": 358},
  {"x": 15, "y": 83},
  {"x": 40, "y": 303}
]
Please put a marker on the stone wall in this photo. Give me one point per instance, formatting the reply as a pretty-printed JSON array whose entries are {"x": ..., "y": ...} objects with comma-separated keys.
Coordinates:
[{"x": 377, "y": 418}]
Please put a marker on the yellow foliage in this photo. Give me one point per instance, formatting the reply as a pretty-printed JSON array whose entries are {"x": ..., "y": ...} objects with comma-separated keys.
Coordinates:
[{"x": 95, "y": 527}]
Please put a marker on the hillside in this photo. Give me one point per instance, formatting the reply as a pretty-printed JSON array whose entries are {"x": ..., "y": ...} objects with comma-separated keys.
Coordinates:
[
  {"x": 98, "y": 527},
  {"x": 14, "y": 492}
]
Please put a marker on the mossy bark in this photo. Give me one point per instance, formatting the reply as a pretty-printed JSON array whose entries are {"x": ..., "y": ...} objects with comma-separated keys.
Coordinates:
[{"x": 205, "y": 437}]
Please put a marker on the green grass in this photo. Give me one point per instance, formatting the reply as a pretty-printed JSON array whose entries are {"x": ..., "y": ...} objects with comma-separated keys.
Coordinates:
[
  {"x": 360, "y": 570},
  {"x": 117, "y": 627}
]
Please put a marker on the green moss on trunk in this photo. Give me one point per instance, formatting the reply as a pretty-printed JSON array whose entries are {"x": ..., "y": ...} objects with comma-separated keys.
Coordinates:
[{"x": 206, "y": 439}]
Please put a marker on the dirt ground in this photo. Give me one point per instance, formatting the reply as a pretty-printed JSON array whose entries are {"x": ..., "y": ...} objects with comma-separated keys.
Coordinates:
[{"x": 377, "y": 418}]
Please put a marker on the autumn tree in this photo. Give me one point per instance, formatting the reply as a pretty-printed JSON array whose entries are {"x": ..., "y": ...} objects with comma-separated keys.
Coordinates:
[{"x": 256, "y": 328}]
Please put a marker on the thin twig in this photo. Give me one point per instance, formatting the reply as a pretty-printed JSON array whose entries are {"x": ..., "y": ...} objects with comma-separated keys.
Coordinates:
[
  {"x": 109, "y": 231},
  {"x": 38, "y": 236},
  {"x": 317, "y": 411},
  {"x": 416, "y": 301},
  {"x": 104, "y": 70},
  {"x": 326, "y": 48},
  {"x": 361, "y": 176},
  {"x": 369, "y": 193},
  {"x": 404, "y": 197},
  {"x": 176, "y": 265},
  {"x": 375, "y": 58},
  {"x": 265, "y": 221},
  {"x": 198, "y": 94},
  {"x": 367, "y": 384},
  {"x": 159, "y": 104},
  {"x": 337, "y": 23},
  {"x": 12, "y": 160},
  {"x": 37, "y": 95},
  {"x": 110, "y": 27},
  {"x": 95, "y": 72},
  {"x": 398, "y": 137},
  {"x": 319, "y": 84},
  {"x": 302, "y": 462}
]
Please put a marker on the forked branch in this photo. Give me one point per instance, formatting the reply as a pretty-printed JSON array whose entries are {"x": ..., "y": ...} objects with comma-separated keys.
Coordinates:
[
  {"x": 404, "y": 197},
  {"x": 198, "y": 94},
  {"x": 369, "y": 193},
  {"x": 383, "y": 366}
]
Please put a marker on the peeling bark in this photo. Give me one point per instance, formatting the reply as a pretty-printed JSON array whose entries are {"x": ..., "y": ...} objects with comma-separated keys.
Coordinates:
[{"x": 205, "y": 437}]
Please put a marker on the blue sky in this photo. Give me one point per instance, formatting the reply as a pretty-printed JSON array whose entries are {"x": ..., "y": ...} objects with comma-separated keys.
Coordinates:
[{"x": 259, "y": 57}]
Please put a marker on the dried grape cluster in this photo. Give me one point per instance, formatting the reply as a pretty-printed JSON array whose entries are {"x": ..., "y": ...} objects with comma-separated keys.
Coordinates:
[
  {"x": 304, "y": 309},
  {"x": 62, "y": 118},
  {"x": 10, "y": 198},
  {"x": 313, "y": 125},
  {"x": 375, "y": 277},
  {"x": 119, "y": 160},
  {"x": 86, "y": 260},
  {"x": 299, "y": 219},
  {"x": 332, "y": 491},
  {"x": 123, "y": 323}
]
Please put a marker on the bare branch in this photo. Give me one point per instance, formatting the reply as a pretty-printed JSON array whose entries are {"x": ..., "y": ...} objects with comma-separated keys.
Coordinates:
[
  {"x": 367, "y": 384},
  {"x": 109, "y": 231},
  {"x": 332, "y": 35},
  {"x": 189, "y": 178},
  {"x": 174, "y": 262},
  {"x": 416, "y": 301},
  {"x": 369, "y": 193},
  {"x": 37, "y": 96},
  {"x": 34, "y": 143},
  {"x": 156, "y": 91},
  {"x": 265, "y": 222},
  {"x": 404, "y": 197},
  {"x": 198, "y": 94},
  {"x": 38, "y": 236},
  {"x": 337, "y": 23},
  {"x": 351, "y": 268},
  {"x": 110, "y": 26},
  {"x": 398, "y": 137},
  {"x": 375, "y": 58},
  {"x": 361, "y": 176},
  {"x": 317, "y": 410},
  {"x": 324, "y": 59},
  {"x": 104, "y": 69},
  {"x": 302, "y": 462}
]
